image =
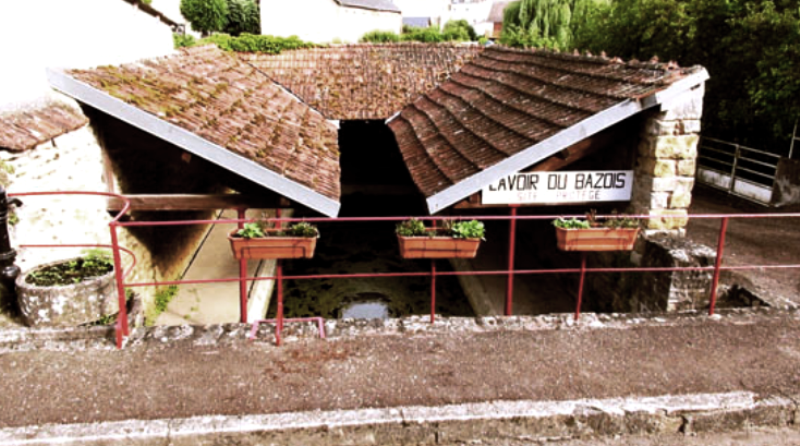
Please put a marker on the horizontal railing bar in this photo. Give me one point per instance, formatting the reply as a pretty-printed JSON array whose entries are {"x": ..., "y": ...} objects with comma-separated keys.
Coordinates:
[
  {"x": 711, "y": 149},
  {"x": 772, "y": 177},
  {"x": 462, "y": 273},
  {"x": 456, "y": 218},
  {"x": 725, "y": 163},
  {"x": 761, "y": 163},
  {"x": 760, "y": 151}
]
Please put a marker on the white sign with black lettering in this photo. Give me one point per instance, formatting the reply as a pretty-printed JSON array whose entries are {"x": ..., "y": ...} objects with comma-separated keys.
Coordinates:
[{"x": 560, "y": 187}]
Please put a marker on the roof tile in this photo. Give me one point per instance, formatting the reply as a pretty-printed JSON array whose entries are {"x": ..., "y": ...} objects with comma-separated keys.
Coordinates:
[
  {"x": 366, "y": 81},
  {"x": 507, "y": 100},
  {"x": 25, "y": 129},
  {"x": 215, "y": 95}
]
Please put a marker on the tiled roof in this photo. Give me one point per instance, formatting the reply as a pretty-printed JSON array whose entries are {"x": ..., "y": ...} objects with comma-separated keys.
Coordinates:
[
  {"x": 25, "y": 129},
  {"x": 376, "y": 5},
  {"x": 363, "y": 81},
  {"x": 507, "y": 101},
  {"x": 214, "y": 95}
]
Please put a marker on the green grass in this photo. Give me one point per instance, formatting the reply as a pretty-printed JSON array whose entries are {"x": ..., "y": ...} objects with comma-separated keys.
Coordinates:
[{"x": 163, "y": 297}]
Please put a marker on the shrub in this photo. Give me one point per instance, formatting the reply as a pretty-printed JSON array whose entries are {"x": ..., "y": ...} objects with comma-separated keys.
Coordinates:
[
  {"x": 380, "y": 37},
  {"x": 459, "y": 30},
  {"x": 206, "y": 16},
  {"x": 183, "y": 40},
  {"x": 249, "y": 43},
  {"x": 427, "y": 35}
]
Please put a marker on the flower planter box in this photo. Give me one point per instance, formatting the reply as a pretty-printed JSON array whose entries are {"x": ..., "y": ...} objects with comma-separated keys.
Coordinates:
[
  {"x": 596, "y": 239},
  {"x": 66, "y": 305},
  {"x": 438, "y": 247},
  {"x": 272, "y": 247}
]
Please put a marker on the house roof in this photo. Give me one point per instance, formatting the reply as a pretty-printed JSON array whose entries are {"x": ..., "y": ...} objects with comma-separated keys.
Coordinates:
[
  {"x": 26, "y": 128},
  {"x": 510, "y": 109},
  {"x": 418, "y": 22},
  {"x": 375, "y": 5},
  {"x": 210, "y": 103},
  {"x": 363, "y": 81},
  {"x": 496, "y": 13}
]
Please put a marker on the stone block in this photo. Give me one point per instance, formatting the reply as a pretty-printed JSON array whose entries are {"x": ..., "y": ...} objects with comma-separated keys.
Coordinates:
[
  {"x": 658, "y": 167},
  {"x": 657, "y": 127},
  {"x": 684, "y": 184},
  {"x": 680, "y": 199},
  {"x": 687, "y": 167},
  {"x": 669, "y": 146},
  {"x": 659, "y": 200},
  {"x": 690, "y": 126},
  {"x": 668, "y": 219}
]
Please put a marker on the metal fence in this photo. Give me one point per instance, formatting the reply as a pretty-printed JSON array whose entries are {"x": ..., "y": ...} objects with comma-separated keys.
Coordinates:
[
  {"x": 122, "y": 328},
  {"x": 739, "y": 170}
]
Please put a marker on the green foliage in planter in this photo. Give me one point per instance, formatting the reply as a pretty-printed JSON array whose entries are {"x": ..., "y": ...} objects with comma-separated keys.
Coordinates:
[
  {"x": 468, "y": 229},
  {"x": 257, "y": 230},
  {"x": 303, "y": 229},
  {"x": 411, "y": 228},
  {"x": 93, "y": 263},
  {"x": 572, "y": 223},
  {"x": 206, "y": 16}
]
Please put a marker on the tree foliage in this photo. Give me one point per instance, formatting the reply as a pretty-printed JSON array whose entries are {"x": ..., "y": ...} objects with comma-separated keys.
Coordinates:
[
  {"x": 459, "y": 30},
  {"x": 206, "y": 16},
  {"x": 751, "y": 49},
  {"x": 546, "y": 23},
  {"x": 243, "y": 17}
]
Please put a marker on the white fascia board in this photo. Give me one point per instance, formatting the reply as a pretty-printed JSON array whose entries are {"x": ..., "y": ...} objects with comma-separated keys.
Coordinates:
[
  {"x": 192, "y": 143},
  {"x": 558, "y": 142}
]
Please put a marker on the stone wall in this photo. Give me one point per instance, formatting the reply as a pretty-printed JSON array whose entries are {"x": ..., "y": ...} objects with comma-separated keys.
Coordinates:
[
  {"x": 787, "y": 183},
  {"x": 666, "y": 163},
  {"x": 74, "y": 162}
]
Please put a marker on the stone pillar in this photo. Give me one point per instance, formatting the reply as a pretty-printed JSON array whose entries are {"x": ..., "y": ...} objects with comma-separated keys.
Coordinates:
[{"x": 666, "y": 163}]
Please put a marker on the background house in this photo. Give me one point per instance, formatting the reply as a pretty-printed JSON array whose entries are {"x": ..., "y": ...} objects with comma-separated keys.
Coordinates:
[{"x": 324, "y": 21}]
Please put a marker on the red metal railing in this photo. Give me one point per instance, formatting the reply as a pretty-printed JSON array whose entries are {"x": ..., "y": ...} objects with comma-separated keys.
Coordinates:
[{"x": 511, "y": 272}]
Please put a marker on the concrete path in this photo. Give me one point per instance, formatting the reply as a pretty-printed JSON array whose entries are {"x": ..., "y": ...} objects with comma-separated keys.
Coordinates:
[
  {"x": 218, "y": 303},
  {"x": 191, "y": 375}
]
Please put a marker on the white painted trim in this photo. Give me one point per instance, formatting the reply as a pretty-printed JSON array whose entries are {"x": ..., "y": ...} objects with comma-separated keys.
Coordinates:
[
  {"x": 192, "y": 143},
  {"x": 393, "y": 117},
  {"x": 565, "y": 138}
]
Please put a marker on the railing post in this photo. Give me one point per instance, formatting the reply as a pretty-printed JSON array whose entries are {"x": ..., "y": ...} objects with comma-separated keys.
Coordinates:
[
  {"x": 242, "y": 277},
  {"x": 512, "y": 238},
  {"x": 723, "y": 229},
  {"x": 580, "y": 286},
  {"x": 737, "y": 153},
  {"x": 122, "y": 316},
  {"x": 279, "y": 316},
  {"x": 433, "y": 290}
]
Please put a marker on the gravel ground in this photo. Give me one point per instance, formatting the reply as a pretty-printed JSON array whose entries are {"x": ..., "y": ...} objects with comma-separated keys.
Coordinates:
[
  {"x": 179, "y": 379},
  {"x": 751, "y": 242},
  {"x": 758, "y": 437}
]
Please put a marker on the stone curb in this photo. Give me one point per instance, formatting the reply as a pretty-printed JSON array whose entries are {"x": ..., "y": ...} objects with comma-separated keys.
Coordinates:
[
  {"x": 70, "y": 339},
  {"x": 528, "y": 420}
]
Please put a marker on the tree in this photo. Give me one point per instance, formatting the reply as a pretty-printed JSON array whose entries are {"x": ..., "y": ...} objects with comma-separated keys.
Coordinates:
[
  {"x": 546, "y": 23},
  {"x": 751, "y": 49},
  {"x": 206, "y": 16},
  {"x": 243, "y": 17}
]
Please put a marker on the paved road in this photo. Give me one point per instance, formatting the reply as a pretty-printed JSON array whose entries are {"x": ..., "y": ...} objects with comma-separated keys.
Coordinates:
[{"x": 185, "y": 378}]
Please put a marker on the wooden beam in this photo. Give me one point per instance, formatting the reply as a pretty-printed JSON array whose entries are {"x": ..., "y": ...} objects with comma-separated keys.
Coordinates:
[{"x": 205, "y": 202}]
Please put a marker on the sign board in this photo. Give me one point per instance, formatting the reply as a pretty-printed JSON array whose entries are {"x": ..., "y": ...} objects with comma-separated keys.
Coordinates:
[{"x": 560, "y": 187}]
